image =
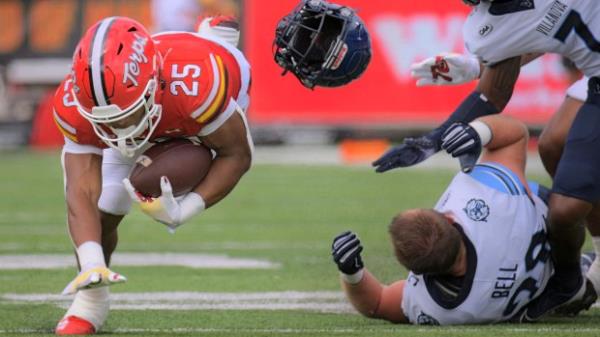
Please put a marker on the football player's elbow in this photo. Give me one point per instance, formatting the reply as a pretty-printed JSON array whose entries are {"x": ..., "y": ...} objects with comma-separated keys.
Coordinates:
[
  {"x": 241, "y": 158},
  {"x": 245, "y": 160},
  {"x": 523, "y": 131}
]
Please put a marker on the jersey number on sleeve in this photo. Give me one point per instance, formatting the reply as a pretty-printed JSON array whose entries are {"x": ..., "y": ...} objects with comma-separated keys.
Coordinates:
[
  {"x": 574, "y": 22},
  {"x": 189, "y": 70}
]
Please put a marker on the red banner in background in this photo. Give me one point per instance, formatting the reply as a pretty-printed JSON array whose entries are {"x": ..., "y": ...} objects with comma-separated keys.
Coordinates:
[{"x": 402, "y": 32}]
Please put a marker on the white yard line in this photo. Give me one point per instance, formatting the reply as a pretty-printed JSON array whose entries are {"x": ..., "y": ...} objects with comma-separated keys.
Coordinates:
[
  {"x": 314, "y": 301},
  {"x": 483, "y": 330},
  {"x": 317, "y": 301},
  {"x": 207, "y": 261}
]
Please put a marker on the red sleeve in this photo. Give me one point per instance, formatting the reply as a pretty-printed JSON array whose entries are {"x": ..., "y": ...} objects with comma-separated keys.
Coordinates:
[
  {"x": 202, "y": 77},
  {"x": 68, "y": 120}
]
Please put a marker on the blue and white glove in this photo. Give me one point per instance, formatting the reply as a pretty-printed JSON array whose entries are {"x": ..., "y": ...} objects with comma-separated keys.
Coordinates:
[
  {"x": 465, "y": 141},
  {"x": 346, "y": 249},
  {"x": 166, "y": 209},
  {"x": 411, "y": 152}
]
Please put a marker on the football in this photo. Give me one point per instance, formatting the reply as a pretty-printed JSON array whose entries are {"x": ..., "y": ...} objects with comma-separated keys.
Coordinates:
[{"x": 184, "y": 163}]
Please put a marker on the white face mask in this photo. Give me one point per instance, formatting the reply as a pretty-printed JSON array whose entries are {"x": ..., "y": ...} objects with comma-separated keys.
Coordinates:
[{"x": 124, "y": 139}]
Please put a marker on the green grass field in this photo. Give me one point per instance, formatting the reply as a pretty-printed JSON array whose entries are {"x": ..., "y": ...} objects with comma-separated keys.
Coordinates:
[{"x": 285, "y": 215}]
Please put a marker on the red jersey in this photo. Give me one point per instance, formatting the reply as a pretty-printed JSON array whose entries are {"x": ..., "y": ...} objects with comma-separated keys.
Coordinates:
[{"x": 202, "y": 82}]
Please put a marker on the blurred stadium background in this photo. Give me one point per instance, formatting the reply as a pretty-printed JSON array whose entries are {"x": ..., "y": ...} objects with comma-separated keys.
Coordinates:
[
  {"x": 37, "y": 38},
  {"x": 285, "y": 211}
]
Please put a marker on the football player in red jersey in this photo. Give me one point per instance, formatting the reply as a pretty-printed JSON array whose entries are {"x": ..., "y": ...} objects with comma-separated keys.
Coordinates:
[{"x": 127, "y": 90}]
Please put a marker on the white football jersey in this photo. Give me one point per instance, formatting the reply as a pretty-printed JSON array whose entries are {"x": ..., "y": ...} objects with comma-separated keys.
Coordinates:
[
  {"x": 498, "y": 31},
  {"x": 507, "y": 252}
]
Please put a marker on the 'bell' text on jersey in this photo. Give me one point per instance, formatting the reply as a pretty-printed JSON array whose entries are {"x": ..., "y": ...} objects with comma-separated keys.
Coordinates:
[
  {"x": 507, "y": 251},
  {"x": 496, "y": 31}
]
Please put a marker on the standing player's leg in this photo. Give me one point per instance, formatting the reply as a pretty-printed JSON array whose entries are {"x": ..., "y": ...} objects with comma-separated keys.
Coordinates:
[
  {"x": 552, "y": 140},
  {"x": 576, "y": 190},
  {"x": 593, "y": 225},
  {"x": 90, "y": 307}
]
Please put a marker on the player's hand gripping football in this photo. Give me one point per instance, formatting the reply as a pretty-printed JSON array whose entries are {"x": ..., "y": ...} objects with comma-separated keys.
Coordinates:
[
  {"x": 345, "y": 250},
  {"x": 166, "y": 209},
  {"x": 462, "y": 141},
  {"x": 411, "y": 152},
  {"x": 93, "y": 278},
  {"x": 446, "y": 69}
]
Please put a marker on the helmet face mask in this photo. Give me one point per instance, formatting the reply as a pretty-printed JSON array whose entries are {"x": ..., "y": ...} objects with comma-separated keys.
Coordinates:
[
  {"x": 475, "y": 2},
  {"x": 314, "y": 39},
  {"x": 115, "y": 76},
  {"x": 130, "y": 139}
]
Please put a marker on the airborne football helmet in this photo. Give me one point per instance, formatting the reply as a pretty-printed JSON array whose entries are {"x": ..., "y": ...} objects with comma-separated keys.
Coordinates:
[
  {"x": 475, "y": 2},
  {"x": 115, "y": 76},
  {"x": 322, "y": 44}
]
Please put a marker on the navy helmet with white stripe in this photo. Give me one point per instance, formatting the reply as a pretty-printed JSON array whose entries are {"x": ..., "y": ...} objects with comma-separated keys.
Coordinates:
[
  {"x": 322, "y": 44},
  {"x": 115, "y": 79}
]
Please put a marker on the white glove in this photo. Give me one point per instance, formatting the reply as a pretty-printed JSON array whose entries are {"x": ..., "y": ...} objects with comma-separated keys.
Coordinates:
[
  {"x": 223, "y": 27},
  {"x": 446, "y": 69},
  {"x": 166, "y": 209},
  {"x": 93, "y": 278}
]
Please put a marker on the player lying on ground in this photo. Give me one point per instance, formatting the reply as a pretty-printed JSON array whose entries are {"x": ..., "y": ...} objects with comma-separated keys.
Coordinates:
[
  {"x": 453, "y": 69},
  {"x": 498, "y": 32},
  {"x": 479, "y": 256},
  {"x": 127, "y": 90}
]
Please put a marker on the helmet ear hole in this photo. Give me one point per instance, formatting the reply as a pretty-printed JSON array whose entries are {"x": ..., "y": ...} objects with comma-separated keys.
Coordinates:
[
  {"x": 132, "y": 29},
  {"x": 120, "y": 49}
]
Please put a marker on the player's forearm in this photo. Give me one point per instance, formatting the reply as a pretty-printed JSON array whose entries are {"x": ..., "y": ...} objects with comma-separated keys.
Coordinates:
[
  {"x": 83, "y": 216},
  {"x": 505, "y": 131},
  {"x": 364, "y": 295},
  {"x": 375, "y": 300},
  {"x": 497, "y": 82},
  {"x": 224, "y": 174},
  {"x": 82, "y": 192}
]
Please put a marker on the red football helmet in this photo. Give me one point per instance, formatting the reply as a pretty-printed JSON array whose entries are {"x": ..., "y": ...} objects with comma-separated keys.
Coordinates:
[{"x": 115, "y": 75}]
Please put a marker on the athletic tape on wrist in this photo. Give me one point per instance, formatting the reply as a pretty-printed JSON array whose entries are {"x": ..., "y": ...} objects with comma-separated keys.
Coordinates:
[
  {"x": 483, "y": 130},
  {"x": 90, "y": 255},
  {"x": 353, "y": 278},
  {"x": 191, "y": 204}
]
